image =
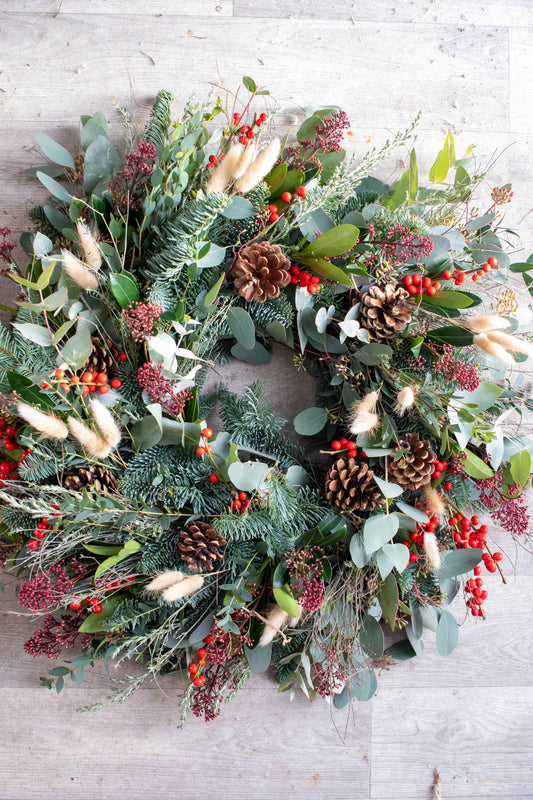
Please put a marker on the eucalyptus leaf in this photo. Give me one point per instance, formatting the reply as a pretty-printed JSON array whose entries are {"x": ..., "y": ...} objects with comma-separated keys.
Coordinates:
[
  {"x": 378, "y": 530},
  {"x": 447, "y": 633},
  {"x": 242, "y": 327},
  {"x": 310, "y": 421},
  {"x": 248, "y": 476},
  {"x": 54, "y": 151}
]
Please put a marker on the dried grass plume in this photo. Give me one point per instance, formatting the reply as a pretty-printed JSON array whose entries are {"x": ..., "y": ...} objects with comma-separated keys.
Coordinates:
[
  {"x": 492, "y": 348},
  {"x": 79, "y": 272},
  {"x": 89, "y": 246},
  {"x": 486, "y": 322},
  {"x": 245, "y": 160},
  {"x": 511, "y": 343},
  {"x": 433, "y": 500},
  {"x": 362, "y": 417},
  {"x": 276, "y": 620},
  {"x": 183, "y": 588},
  {"x": 48, "y": 425},
  {"x": 223, "y": 173},
  {"x": 105, "y": 422},
  {"x": 164, "y": 580},
  {"x": 260, "y": 167},
  {"x": 404, "y": 401},
  {"x": 431, "y": 550}
]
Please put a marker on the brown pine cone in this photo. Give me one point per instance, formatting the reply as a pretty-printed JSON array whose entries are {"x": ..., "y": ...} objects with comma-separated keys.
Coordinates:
[
  {"x": 350, "y": 485},
  {"x": 260, "y": 271},
  {"x": 384, "y": 311},
  {"x": 93, "y": 479},
  {"x": 199, "y": 545},
  {"x": 414, "y": 467},
  {"x": 104, "y": 356}
]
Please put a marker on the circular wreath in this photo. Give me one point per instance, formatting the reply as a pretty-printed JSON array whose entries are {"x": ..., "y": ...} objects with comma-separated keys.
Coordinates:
[{"x": 144, "y": 534}]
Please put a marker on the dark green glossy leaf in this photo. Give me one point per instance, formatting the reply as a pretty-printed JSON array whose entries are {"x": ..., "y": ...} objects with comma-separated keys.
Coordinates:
[{"x": 124, "y": 288}]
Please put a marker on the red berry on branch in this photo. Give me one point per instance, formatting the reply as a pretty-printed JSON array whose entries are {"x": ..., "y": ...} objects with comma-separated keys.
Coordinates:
[
  {"x": 352, "y": 453},
  {"x": 33, "y": 544},
  {"x": 236, "y": 505},
  {"x": 431, "y": 291},
  {"x": 477, "y": 570},
  {"x": 75, "y": 605},
  {"x": 490, "y": 565},
  {"x": 201, "y": 451},
  {"x": 193, "y": 668},
  {"x": 436, "y": 286},
  {"x": 242, "y": 496},
  {"x": 446, "y": 275},
  {"x": 475, "y": 520},
  {"x": 492, "y": 261},
  {"x": 200, "y": 680},
  {"x": 104, "y": 389},
  {"x": 426, "y": 282},
  {"x": 273, "y": 210},
  {"x": 207, "y": 433},
  {"x": 286, "y": 197},
  {"x": 436, "y": 475},
  {"x": 97, "y": 608},
  {"x": 122, "y": 357},
  {"x": 274, "y": 217},
  {"x": 214, "y": 478},
  {"x": 301, "y": 191},
  {"x": 497, "y": 556},
  {"x": 335, "y": 445},
  {"x": 59, "y": 374},
  {"x": 416, "y": 280},
  {"x": 116, "y": 383},
  {"x": 407, "y": 280},
  {"x": 201, "y": 652},
  {"x": 88, "y": 377}
]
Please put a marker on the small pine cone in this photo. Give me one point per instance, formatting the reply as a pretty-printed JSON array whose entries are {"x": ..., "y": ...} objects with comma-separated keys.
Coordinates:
[
  {"x": 199, "y": 545},
  {"x": 260, "y": 271},
  {"x": 104, "y": 357},
  {"x": 93, "y": 479},
  {"x": 414, "y": 467},
  {"x": 384, "y": 311},
  {"x": 350, "y": 485}
]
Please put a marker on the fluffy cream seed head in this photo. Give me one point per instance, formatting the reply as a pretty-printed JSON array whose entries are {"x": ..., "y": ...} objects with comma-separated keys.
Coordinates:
[
  {"x": 482, "y": 341},
  {"x": 95, "y": 446},
  {"x": 511, "y": 343},
  {"x": 48, "y": 425},
  {"x": 404, "y": 401},
  {"x": 245, "y": 160},
  {"x": 260, "y": 167},
  {"x": 164, "y": 580},
  {"x": 431, "y": 550},
  {"x": 183, "y": 588},
  {"x": 89, "y": 246},
  {"x": 486, "y": 322},
  {"x": 222, "y": 174},
  {"x": 105, "y": 423},
  {"x": 79, "y": 272},
  {"x": 361, "y": 418},
  {"x": 433, "y": 500}
]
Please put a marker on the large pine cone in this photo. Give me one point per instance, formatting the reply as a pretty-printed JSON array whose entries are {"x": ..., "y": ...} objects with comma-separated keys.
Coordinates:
[
  {"x": 199, "y": 545},
  {"x": 414, "y": 467},
  {"x": 260, "y": 271},
  {"x": 384, "y": 311},
  {"x": 103, "y": 357},
  {"x": 93, "y": 479},
  {"x": 350, "y": 485}
]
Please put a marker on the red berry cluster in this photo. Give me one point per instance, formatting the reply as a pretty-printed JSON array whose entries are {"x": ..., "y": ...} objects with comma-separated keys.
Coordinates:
[
  {"x": 459, "y": 277},
  {"x": 95, "y": 602},
  {"x": 8, "y": 469},
  {"x": 41, "y": 531},
  {"x": 9, "y": 435},
  {"x": 195, "y": 667},
  {"x": 286, "y": 197},
  {"x": 439, "y": 468},
  {"x": 469, "y": 533},
  {"x": 416, "y": 538},
  {"x": 416, "y": 284},
  {"x": 247, "y": 132},
  {"x": 87, "y": 382},
  {"x": 201, "y": 450},
  {"x": 345, "y": 444},
  {"x": 300, "y": 277},
  {"x": 241, "y": 503}
]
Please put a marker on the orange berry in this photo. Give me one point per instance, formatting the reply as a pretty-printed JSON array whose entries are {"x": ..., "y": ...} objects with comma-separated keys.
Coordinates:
[
  {"x": 87, "y": 377},
  {"x": 103, "y": 389},
  {"x": 101, "y": 377},
  {"x": 59, "y": 374}
]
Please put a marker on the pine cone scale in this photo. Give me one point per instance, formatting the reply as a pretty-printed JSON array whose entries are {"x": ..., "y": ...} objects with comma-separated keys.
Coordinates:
[
  {"x": 350, "y": 485},
  {"x": 200, "y": 545},
  {"x": 414, "y": 468},
  {"x": 384, "y": 311},
  {"x": 261, "y": 271}
]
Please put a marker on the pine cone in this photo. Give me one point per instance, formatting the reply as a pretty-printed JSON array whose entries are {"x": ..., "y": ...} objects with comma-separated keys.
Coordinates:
[
  {"x": 350, "y": 485},
  {"x": 94, "y": 479},
  {"x": 104, "y": 356},
  {"x": 414, "y": 467},
  {"x": 260, "y": 271},
  {"x": 199, "y": 545},
  {"x": 384, "y": 311}
]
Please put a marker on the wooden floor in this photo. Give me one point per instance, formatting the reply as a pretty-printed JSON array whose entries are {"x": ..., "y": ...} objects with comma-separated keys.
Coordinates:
[{"x": 468, "y": 65}]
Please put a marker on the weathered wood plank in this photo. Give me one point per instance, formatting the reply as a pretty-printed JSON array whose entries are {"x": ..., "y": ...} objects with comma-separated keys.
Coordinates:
[
  {"x": 183, "y": 8},
  {"x": 479, "y": 738},
  {"x": 521, "y": 80}
]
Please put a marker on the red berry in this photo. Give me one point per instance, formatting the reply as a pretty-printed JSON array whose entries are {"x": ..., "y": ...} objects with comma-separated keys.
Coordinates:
[
  {"x": 344, "y": 443},
  {"x": 490, "y": 565},
  {"x": 436, "y": 475},
  {"x": 207, "y": 433},
  {"x": 315, "y": 279},
  {"x": 416, "y": 280},
  {"x": 477, "y": 570},
  {"x": 411, "y": 290},
  {"x": 39, "y": 534},
  {"x": 116, "y": 383},
  {"x": 122, "y": 357},
  {"x": 335, "y": 445},
  {"x": 242, "y": 496},
  {"x": 286, "y": 197},
  {"x": 486, "y": 268},
  {"x": 88, "y": 377},
  {"x": 213, "y": 478},
  {"x": 474, "y": 520},
  {"x": 446, "y": 275},
  {"x": 484, "y": 529},
  {"x": 101, "y": 377},
  {"x": 497, "y": 556},
  {"x": 274, "y": 210},
  {"x": 200, "y": 451},
  {"x": 97, "y": 608},
  {"x": 201, "y": 652},
  {"x": 236, "y": 118},
  {"x": 59, "y": 374},
  {"x": 75, "y": 605},
  {"x": 294, "y": 280},
  {"x": 208, "y": 640},
  {"x": 33, "y": 544},
  {"x": 407, "y": 280},
  {"x": 236, "y": 505},
  {"x": 492, "y": 261},
  {"x": 274, "y": 217},
  {"x": 413, "y": 557},
  {"x": 200, "y": 680},
  {"x": 45, "y": 385},
  {"x": 193, "y": 668},
  {"x": 431, "y": 291},
  {"x": 352, "y": 453},
  {"x": 426, "y": 282},
  {"x": 436, "y": 286},
  {"x": 474, "y": 277},
  {"x": 301, "y": 191},
  {"x": 85, "y": 390},
  {"x": 103, "y": 389},
  {"x": 263, "y": 117}
]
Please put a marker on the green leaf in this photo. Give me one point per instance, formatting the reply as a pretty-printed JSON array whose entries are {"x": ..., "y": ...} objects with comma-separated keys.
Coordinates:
[
  {"x": 388, "y": 490},
  {"x": 258, "y": 657},
  {"x": 247, "y": 476},
  {"x": 447, "y": 633},
  {"x": 92, "y": 128},
  {"x": 63, "y": 329},
  {"x": 458, "y": 562},
  {"x": 59, "y": 685},
  {"x": 124, "y": 288},
  {"x": 297, "y": 476},
  {"x": 520, "y": 464},
  {"x": 249, "y": 83},
  {"x": 54, "y": 151},
  {"x": 35, "y": 333},
  {"x": 101, "y": 160},
  {"x": 242, "y": 327},
  {"x": 445, "y": 159},
  {"x": 310, "y": 421},
  {"x": 371, "y": 637},
  {"x": 401, "y": 651},
  {"x": 388, "y": 599},
  {"x": 481, "y": 398},
  {"x": 452, "y": 334},
  {"x": 276, "y": 177},
  {"x": 57, "y": 218},
  {"x": 447, "y": 298},
  {"x": 379, "y": 530},
  {"x": 103, "y": 549},
  {"x": 335, "y": 242},
  {"x": 239, "y": 208},
  {"x": 211, "y": 295},
  {"x": 96, "y": 622},
  {"x": 392, "y": 556},
  {"x": 58, "y": 671},
  {"x": 523, "y": 266},
  {"x": 325, "y": 269},
  {"x": 357, "y": 551},
  {"x": 78, "y": 348},
  {"x": 475, "y": 467},
  {"x": 25, "y": 388},
  {"x": 373, "y": 353},
  {"x": 257, "y": 355},
  {"x": 291, "y": 181},
  {"x": 54, "y": 187},
  {"x": 411, "y": 511},
  {"x": 146, "y": 433},
  {"x": 42, "y": 245},
  {"x": 46, "y": 276},
  {"x": 286, "y": 600}
]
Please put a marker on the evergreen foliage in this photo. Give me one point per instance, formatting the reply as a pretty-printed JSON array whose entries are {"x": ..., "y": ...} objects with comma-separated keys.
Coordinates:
[{"x": 156, "y": 130}]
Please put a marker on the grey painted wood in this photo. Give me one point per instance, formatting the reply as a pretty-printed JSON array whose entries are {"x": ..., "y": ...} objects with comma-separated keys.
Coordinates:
[{"x": 469, "y": 68}]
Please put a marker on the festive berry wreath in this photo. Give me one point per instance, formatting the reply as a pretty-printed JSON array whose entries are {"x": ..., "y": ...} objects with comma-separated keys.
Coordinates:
[{"x": 143, "y": 535}]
